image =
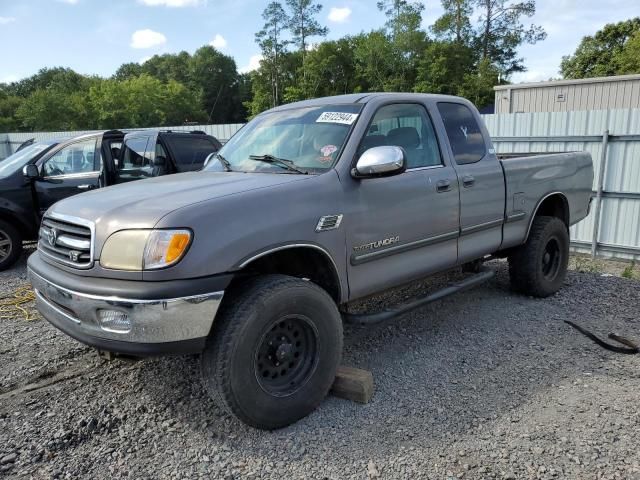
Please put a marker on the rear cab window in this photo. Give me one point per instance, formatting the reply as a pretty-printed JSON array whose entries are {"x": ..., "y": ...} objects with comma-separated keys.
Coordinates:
[
  {"x": 463, "y": 131},
  {"x": 190, "y": 151}
]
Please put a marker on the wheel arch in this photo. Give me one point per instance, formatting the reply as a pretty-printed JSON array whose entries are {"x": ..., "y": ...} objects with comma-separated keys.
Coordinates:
[
  {"x": 302, "y": 260},
  {"x": 554, "y": 204}
]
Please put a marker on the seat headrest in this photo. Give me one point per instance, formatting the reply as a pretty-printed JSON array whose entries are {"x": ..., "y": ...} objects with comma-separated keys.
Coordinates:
[
  {"x": 406, "y": 137},
  {"x": 371, "y": 141}
]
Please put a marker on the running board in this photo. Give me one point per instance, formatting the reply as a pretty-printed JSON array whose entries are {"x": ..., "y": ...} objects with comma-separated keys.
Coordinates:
[{"x": 373, "y": 318}]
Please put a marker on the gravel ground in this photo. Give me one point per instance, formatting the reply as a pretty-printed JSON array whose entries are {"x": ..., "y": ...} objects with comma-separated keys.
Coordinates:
[{"x": 485, "y": 384}]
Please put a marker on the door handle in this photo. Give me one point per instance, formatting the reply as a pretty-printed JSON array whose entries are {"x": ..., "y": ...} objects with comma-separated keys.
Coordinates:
[
  {"x": 468, "y": 181},
  {"x": 86, "y": 187},
  {"x": 443, "y": 186}
]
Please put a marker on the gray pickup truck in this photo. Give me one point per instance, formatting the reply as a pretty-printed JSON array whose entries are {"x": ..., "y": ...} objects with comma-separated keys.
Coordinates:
[{"x": 253, "y": 261}]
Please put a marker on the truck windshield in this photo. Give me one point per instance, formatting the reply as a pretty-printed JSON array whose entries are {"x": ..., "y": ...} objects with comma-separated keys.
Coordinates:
[
  {"x": 19, "y": 159},
  {"x": 310, "y": 138}
]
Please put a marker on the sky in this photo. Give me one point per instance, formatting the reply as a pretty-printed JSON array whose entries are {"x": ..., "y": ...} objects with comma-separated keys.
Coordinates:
[{"x": 97, "y": 36}]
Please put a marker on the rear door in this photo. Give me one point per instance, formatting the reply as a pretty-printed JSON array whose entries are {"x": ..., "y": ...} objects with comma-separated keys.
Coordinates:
[
  {"x": 480, "y": 180},
  {"x": 74, "y": 168}
]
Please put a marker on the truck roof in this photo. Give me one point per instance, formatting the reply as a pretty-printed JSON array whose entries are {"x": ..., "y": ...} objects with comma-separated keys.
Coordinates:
[{"x": 361, "y": 98}]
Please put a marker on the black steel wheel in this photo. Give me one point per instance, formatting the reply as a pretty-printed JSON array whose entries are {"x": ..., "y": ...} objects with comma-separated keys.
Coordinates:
[
  {"x": 551, "y": 259},
  {"x": 273, "y": 352},
  {"x": 287, "y": 355},
  {"x": 539, "y": 267}
]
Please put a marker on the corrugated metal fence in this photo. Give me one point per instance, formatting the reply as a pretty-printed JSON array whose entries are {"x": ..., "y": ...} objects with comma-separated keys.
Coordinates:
[{"x": 611, "y": 136}]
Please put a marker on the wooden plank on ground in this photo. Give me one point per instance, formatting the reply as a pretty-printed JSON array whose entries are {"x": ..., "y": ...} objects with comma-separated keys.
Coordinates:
[{"x": 353, "y": 384}]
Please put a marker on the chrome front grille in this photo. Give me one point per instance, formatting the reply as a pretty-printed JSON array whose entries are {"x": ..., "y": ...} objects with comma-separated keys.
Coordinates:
[{"x": 67, "y": 240}]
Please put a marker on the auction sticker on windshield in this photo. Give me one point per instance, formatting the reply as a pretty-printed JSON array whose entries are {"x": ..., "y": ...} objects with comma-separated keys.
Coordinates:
[{"x": 337, "y": 117}]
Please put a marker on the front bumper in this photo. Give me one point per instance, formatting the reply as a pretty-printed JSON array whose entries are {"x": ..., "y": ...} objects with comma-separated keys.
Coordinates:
[{"x": 154, "y": 326}]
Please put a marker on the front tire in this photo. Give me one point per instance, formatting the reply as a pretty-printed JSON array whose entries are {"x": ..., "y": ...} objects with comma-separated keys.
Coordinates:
[
  {"x": 10, "y": 245},
  {"x": 539, "y": 267},
  {"x": 274, "y": 350}
]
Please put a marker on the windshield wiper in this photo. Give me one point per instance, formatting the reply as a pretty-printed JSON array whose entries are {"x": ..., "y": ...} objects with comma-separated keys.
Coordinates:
[
  {"x": 225, "y": 163},
  {"x": 281, "y": 162}
]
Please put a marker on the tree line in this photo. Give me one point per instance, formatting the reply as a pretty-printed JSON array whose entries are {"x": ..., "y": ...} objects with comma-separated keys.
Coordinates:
[
  {"x": 472, "y": 47},
  {"x": 169, "y": 89},
  {"x": 469, "y": 49}
]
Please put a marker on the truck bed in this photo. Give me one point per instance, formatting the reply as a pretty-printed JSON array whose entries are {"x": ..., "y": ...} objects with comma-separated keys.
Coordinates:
[{"x": 529, "y": 179}]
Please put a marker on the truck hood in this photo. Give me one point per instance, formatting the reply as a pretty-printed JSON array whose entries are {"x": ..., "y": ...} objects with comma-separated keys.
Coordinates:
[{"x": 141, "y": 203}]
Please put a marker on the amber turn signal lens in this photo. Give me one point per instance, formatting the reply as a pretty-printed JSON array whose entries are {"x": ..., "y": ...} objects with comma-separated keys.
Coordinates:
[{"x": 177, "y": 246}]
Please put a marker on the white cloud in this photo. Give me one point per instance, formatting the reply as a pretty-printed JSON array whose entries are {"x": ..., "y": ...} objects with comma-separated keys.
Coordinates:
[
  {"x": 147, "y": 38},
  {"x": 6, "y": 20},
  {"x": 70, "y": 2},
  {"x": 171, "y": 3},
  {"x": 218, "y": 42},
  {"x": 339, "y": 15},
  {"x": 254, "y": 64}
]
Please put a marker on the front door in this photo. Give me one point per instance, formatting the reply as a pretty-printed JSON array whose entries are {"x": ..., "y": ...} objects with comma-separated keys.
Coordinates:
[
  {"x": 481, "y": 183},
  {"x": 73, "y": 169},
  {"x": 405, "y": 226}
]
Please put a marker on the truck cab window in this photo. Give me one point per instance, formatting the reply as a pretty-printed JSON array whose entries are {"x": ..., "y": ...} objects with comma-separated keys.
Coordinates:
[
  {"x": 407, "y": 126},
  {"x": 463, "y": 131},
  {"x": 73, "y": 159}
]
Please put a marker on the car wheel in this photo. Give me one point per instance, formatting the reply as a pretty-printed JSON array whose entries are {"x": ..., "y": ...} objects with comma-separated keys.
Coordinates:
[
  {"x": 274, "y": 350},
  {"x": 10, "y": 245},
  {"x": 539, "y": 267}
]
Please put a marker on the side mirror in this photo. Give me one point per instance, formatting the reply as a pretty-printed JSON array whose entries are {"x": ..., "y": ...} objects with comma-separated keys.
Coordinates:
[
  {"x": 380, "y": 162},
  {"x": 30, "y": 171}
]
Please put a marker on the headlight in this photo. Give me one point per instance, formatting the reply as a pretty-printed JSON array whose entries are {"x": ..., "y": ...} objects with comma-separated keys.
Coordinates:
[{"x": 144, "y": 249}]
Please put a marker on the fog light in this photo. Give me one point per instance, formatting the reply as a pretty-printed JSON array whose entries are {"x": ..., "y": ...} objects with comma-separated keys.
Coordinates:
[{"x": 114, "y": 321}]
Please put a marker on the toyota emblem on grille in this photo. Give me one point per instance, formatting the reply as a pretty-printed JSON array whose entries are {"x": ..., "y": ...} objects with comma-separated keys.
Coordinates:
[{"x": 52, "y": 236}]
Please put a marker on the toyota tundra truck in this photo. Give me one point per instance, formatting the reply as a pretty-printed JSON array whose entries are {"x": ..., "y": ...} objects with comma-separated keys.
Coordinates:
[{"x": 254, "y": 261}]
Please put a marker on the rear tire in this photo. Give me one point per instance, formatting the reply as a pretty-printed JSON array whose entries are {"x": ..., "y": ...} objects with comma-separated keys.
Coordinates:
[
  {"x": 539, "y": 267},
  {"x": 10, "y": 245},
  {"x": 273, "y": 353}
]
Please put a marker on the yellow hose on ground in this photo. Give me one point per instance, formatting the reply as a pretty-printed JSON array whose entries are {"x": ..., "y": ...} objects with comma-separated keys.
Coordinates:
[{"x": 19, "y": 304}]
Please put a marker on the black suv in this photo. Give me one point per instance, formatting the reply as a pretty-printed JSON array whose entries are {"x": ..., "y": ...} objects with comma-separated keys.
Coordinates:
[{"x": 42, "y": 173}]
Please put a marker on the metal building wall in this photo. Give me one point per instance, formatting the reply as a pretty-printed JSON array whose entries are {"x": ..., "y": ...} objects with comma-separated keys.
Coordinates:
[
  {"x": 612, "y": 137},
  {"x": 568, "y": 95},
  {"x": 9, "y": 142}
]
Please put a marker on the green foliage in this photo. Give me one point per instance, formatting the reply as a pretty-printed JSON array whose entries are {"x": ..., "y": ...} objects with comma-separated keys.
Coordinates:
[
  {"x": 501, "y": 32},
  {"x": 143, "y": 101},
  {"x": 628, "y": 270},
  {"x": 443, "y": 67},
  {"x": 273, "y": 46},
  {"x": 455, "y": 23},
  {"x": 303, "y": 24},
  {"x": 614, "y": 50},
  {"x": 167, "y": 89},
  {"x": 628, "y": 59}
]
